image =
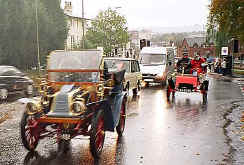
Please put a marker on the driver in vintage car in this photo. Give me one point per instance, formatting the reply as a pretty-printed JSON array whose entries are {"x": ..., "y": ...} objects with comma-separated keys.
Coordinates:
[{"x": 185, "y": 63}]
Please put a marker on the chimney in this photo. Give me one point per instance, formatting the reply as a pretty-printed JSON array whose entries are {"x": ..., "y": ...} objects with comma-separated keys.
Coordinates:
[{"x": 68, "y": 8}]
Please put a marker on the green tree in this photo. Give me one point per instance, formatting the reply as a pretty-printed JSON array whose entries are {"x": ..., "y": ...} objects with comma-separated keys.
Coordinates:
[
  {"x": 108, "y": 30},
  {"x": 18, "y": 40},
  {"x": 227, "y": 16}
]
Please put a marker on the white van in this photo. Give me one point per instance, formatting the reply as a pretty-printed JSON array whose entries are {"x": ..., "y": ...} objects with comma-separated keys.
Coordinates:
[{"x": 154, "y": 64}]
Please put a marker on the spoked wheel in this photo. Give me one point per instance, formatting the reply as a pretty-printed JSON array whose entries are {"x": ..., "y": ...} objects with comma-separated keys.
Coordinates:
[
  {"x": 204, "y": 92},
  {"x": 121, "y": 127},
  {"x": 31, "y": 157},
  {"x": 168, "y": 93},
  {"x": 97, "y": 134},
  {"x": 205, "y": 97},
  {"x": 29, "y": 136}
]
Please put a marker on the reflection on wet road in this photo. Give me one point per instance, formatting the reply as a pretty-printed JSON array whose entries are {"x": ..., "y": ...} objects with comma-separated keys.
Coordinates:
[{"x": 179, "y": 132}]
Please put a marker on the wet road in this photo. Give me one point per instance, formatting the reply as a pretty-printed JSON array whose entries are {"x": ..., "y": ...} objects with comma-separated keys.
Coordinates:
[{"x": 184, "y": 132}]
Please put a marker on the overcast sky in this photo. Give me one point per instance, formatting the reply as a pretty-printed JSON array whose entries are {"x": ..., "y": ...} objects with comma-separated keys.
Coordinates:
[{"x": 150, "y": 13}]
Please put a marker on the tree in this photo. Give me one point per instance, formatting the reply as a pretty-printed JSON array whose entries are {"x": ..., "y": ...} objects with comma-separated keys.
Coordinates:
[
  {"x": 18, "y": 31},
  {"x": 108, "y": 30},
  {"x": 227, "y": 16}
]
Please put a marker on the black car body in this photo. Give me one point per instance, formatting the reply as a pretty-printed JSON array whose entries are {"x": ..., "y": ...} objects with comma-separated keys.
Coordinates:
[{"x": 13, "y": 81}]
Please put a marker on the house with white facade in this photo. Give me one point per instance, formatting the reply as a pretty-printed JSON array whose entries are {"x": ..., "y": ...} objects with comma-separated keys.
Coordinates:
[{"x": 75, "y": 26}]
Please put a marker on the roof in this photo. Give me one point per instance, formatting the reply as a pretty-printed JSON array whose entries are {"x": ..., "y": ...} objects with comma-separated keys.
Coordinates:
[
  {"x": 198, "y": 40},
  {"x": 76, "y": 16}
]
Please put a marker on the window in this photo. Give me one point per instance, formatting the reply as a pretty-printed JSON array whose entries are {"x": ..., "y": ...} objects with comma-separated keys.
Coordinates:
[
  {"x": 137, "y": 66},
  {"x": 133, "y": 67},
  {"x": 72, "y": 41}
]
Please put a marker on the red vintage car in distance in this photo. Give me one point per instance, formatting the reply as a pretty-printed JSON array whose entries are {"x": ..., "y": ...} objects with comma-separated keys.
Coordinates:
[{"x": 181, "y": 82}]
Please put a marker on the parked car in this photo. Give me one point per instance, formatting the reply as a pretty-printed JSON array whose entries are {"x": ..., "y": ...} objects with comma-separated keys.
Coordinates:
[
  {"x": 13, "y": 81},
  {"x": 133, "y": 76}
]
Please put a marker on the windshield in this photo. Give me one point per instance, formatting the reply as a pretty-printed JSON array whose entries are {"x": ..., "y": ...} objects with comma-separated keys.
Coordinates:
[
  {"x": 152, "y": 59},
  {"x": 116, "y": 64},
  {"x": 75, "y": 60}
]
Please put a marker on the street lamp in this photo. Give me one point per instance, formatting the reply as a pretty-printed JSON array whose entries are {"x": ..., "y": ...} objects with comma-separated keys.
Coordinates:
[
  {"x": 83, "y": 26},
  {"x": 37, "y": 38}
]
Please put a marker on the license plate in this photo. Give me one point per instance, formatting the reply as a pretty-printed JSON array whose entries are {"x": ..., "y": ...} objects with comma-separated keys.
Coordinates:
[
  {"x": 194, "y": 73},
  {"x": 65, "y": 136},
  {"x": 148, "y": 80}
]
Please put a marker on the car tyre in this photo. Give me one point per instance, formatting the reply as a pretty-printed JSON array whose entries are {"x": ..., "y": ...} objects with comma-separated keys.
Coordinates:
[
  {"x": 29, "y": 140},
  {"x": 204, "y": 98},
  {"x": 121, "y": 126},
  {"x": 97, "y": 135}
]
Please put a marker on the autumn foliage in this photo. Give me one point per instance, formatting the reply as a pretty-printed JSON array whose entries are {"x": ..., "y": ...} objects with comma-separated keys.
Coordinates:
[{"x": 227, "y": 16}]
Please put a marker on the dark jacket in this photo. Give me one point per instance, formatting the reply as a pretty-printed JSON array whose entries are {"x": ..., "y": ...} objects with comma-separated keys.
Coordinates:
[{"x": 184, "y": 61}]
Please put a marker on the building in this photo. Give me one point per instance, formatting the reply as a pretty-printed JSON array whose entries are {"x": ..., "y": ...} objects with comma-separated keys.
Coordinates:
[
  {"x": 196, "y": 44},
  {"x": 134, "y": 38},
  {"x": 162, "y": 44},
  {"x": 75, "y": 33},
  {"x": 145, "y": 34}
]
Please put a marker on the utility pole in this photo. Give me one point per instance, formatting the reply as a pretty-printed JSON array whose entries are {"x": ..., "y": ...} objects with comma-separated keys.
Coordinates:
[
  {"x": 37, "y": 39},
  {"x": 83, "y": 26}
]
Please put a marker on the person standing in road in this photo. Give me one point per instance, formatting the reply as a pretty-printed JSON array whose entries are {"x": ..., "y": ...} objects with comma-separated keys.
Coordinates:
[{"x": 223, "y": 66}]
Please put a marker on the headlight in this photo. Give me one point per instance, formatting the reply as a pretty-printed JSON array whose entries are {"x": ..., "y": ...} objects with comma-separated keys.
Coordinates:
[
  {"x": 32, "y": 108},
  {"x": 78, "y": 108},
  {"x": 160, "y": 74},
  {"x": 100, "y": 88}
]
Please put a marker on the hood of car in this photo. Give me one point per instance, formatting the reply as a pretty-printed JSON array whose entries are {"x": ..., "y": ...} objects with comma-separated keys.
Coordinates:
[{"x": 152, "y": 69}]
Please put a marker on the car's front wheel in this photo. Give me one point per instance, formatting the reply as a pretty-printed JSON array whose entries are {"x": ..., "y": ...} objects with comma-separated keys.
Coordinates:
[
  {"x": 121, "y": 126},
  {"x": 29, "y": 135},
  {"x": 205, "y": 98},
  {"x": 97, "y": 134}
]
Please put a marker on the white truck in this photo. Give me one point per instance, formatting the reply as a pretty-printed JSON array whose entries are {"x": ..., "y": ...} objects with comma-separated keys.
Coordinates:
[{"x": 155, "y": 63}]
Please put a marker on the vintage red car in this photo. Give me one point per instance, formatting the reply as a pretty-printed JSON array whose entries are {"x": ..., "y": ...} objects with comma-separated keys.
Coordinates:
[
  {"x": 194, "y": 82},
  {"x": 79, "y": 97}
]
